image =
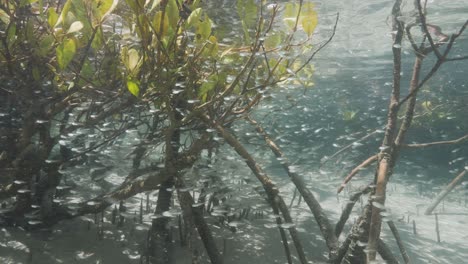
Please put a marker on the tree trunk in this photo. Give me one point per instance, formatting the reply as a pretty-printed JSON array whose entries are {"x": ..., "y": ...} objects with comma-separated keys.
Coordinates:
[{"x": 159, "y": 238}]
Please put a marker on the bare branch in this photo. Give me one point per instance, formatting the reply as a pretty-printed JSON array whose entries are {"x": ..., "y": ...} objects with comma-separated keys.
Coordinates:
[
  {"x": 268, "y": 185},
  {"x": 444, "y": 193},
  {"x": 134, "y": 184},
  {"x": 447, "y": 142},
  {"x": 348, "y": 209},
  {"x": 457, "y": 58},
  {"x": 322, "y": 220},
  {"x": 409, "y": 112},
  {"x": 321, "y": 46},
  {"x": 396, "y": 234},
  {"x": 279, "y": 221},
  {"x": 438, "y": 63},
  {"x": 361, "y": 166},
  {"x": 386, "y": 253},
  {"x": 196, "y": 214},
  {"x": 422, "y": 18},
  {"x": 350, "y": 145},
  {"x": 411, "y": 39}
]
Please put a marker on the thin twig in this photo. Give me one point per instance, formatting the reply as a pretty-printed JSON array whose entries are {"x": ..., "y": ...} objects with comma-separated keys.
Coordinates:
[
  {"x": 444, "y": 193},
  {"x": 361, "y": 166},
  {"x": 321, "y": 46},
  {"x": 422, "y": 18},
  {"x": 430, "y": 144},
  {"x": 438, "y": 63},
  {"x": 349, "y": 146}
]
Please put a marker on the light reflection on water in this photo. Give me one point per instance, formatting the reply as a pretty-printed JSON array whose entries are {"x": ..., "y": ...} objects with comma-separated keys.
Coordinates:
[{"x": 352, "y": 75}]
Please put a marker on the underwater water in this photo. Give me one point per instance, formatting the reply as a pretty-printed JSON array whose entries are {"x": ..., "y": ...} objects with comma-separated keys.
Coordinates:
[{"x": 348, "y": 100}]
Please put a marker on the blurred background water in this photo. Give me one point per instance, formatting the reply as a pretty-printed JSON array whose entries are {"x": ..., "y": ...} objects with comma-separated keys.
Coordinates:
[{"x": 352, "y": 83}]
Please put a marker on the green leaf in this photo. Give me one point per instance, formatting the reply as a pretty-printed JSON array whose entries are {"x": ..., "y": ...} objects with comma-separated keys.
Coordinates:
[
  {"x": 247, "y": 10},
  {"x": 45, "y": 45},
  {"x": 133, "y": 87},
  {"x": 349, "y": 115},
  {"x": 132, "y": 4},
  {"x": 136, "y": 5},
  {"x": 309, "y": 18},
  {"x": 65, "y": 52},
  {"x": 11, "y": 35},
  {"x": 98, "y": 39},
  {"x": 105, "y": 7},
  {"x": 205, "y": 88},
  {"x": 290, "y": 14},
  {"x": 274, "y": 40},
  {"x": 203, "y": 31},
  {"x": 194, "y": 18},
  {"x": 211, "y": 48},
  {"x": 100, "y": 10},
  {"x": 195, "y": 4},
  {"x": 209, "y": 84},
  {"x": 36, "y": 73},
  {"x": 281, "y": 67},
  {"x": 80, "y": 12},
  {"x": 87, "y": 70},
  {"x": 52, "y": 17},
  {"x": 64, "y": 13},
  {"x": 172, "y": 12},
  {"x": 29, "y": 29}
]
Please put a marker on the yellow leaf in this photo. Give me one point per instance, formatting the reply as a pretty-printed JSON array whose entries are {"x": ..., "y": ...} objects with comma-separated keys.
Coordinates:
[
  {"x": 426, "y": 104},
  {"x": 133, "y": 87},
  {"x": 4, "y": 17},
  {"x": 247, "y": 10},
  {"x": 309, "y": 18},
  {"x": 161, "y": 30},
  {"x": 133, "y": 61},
  {"x": 309, "y": 24},
  {"x": 290, "y": 14},
  {"x": 75, "y": 27},
  {"x": 211, "y": 48}
]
